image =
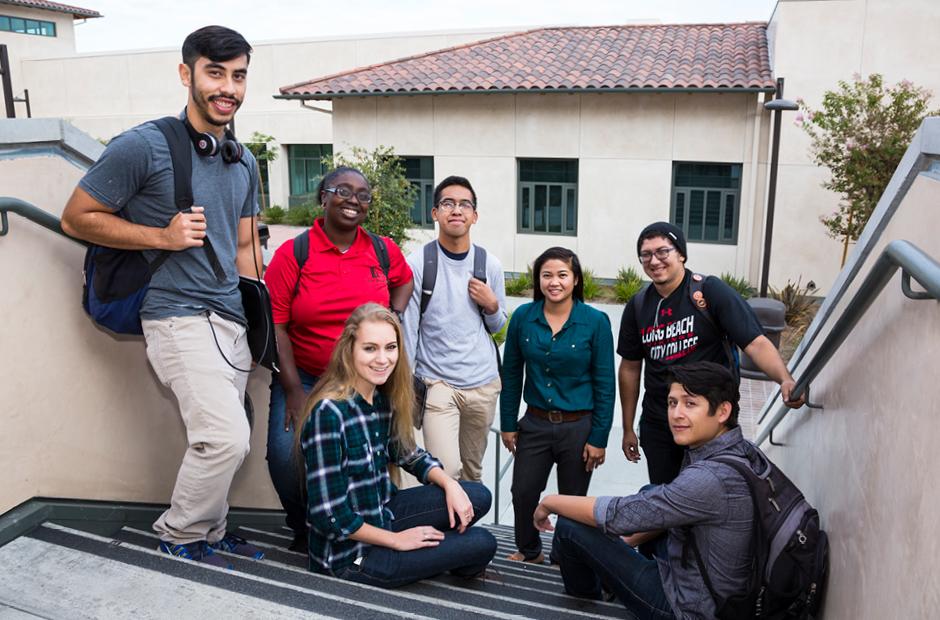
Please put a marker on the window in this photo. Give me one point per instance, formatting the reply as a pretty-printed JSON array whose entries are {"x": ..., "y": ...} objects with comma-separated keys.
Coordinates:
[
  {"x": 548, "y": 195},
  {"x": 27, "y": 26},
  {"x": 420, "y": 172},
  {"x": 305, "y": 162},
  {"x": 706, "y": 199}
]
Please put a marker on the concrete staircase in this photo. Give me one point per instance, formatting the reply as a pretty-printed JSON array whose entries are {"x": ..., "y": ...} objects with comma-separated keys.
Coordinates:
[{"x": 56, "y": 571}]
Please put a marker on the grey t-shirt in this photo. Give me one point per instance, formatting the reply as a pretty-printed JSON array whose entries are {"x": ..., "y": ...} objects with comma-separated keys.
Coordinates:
[
  {"x": 455, "y": 346},
  {"x": 134, "y": 177}
]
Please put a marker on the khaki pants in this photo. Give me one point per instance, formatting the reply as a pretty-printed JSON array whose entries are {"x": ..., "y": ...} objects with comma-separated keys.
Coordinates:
[
  {"x": 457, "y": 425},
  {"x": 211, "y": 397}
]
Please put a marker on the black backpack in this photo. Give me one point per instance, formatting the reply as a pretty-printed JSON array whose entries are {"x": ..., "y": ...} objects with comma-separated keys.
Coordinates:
[
  {"x": 302, "y": 251},
  {"x": 116, "y": 281},
  {"x": 696, "y": 293},
  {"x": 790, "y": 549}
]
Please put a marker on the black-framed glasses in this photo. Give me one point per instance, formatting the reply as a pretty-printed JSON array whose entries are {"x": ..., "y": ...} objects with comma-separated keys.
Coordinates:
[
  {"x": 345, "y": 193},
  {"x": 660, "y": 254},
  {"x": 449, "y": 204}
]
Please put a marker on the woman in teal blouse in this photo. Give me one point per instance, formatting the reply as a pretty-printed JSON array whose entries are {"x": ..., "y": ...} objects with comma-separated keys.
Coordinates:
[{"x": 565, "y": 350}]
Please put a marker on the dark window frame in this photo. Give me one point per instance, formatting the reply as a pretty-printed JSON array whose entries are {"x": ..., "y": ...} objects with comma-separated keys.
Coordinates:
[
  {"x": 696, "y": 232},
  {"x": 424, "y": 184},
  {"x": 27, "y": 25},
  {"x": 293, "y": 161},
  {"x": 528, "y": 191}
]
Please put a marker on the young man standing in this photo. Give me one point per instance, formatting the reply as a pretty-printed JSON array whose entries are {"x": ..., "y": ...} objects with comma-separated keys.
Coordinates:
[
  {"x": 706, "y": 500},
  {"x": 192, "y": 315},
  {"x": 450, "y": 345},
  {"x": 669, "y": 329}
]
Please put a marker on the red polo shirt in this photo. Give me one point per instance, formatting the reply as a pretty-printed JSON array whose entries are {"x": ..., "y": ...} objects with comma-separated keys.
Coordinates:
[{"x": 332, "y": 285}]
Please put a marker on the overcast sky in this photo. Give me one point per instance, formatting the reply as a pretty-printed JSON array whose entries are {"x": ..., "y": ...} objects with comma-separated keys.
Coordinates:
[{"x": 141, "y": 24}]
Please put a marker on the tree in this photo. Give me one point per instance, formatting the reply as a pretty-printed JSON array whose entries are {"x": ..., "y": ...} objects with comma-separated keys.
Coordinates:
[
  {"x": 392, "y": 194},
  {"x": 257, "y": 144},
  {"x": 860, "y": 133}
]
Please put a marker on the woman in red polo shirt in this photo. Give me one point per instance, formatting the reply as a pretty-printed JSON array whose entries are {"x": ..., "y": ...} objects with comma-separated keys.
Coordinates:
[{"x": 310, "y": 305}]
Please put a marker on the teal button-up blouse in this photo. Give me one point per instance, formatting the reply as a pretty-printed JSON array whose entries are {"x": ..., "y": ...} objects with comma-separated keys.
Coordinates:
[{"x": 572, "y": 370}]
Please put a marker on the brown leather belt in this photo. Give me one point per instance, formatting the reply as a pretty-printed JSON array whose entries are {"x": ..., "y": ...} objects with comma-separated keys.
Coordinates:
[{"x": 555, "y": 416}]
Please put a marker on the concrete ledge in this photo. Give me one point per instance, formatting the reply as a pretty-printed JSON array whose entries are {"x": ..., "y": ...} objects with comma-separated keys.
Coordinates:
[{"x": 27, "y": 136}]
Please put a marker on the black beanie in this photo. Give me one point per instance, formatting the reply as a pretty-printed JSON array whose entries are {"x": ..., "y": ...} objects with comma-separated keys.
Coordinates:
[{"x": 667, "y": 230}]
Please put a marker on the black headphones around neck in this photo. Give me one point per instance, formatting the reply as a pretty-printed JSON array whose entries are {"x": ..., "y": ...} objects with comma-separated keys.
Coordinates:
[{"x": 207, "y": 145}]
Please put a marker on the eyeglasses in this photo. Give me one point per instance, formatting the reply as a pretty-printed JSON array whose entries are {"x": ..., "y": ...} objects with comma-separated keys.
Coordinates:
[
  {"x": 448, "y": 204},
  {"x": 660, "y": 254},
  {"x": 345, "y": 193}
]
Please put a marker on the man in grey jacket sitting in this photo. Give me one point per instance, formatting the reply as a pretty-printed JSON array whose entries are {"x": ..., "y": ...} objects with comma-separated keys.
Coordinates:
[{"x": 595, "y": 537}]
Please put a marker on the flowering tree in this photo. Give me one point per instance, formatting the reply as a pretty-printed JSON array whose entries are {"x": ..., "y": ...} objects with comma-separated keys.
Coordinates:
[{"x": 860, "y": 133}]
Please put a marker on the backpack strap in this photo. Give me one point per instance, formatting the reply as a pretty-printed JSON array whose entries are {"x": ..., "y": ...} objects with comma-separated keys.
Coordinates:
[
  {"x": 301, "y": 251},
  {"x": 697, "y": 297},
  {"x": 479, "y": 263},
  {"x": 428, "y": 277},
  {"x": 479, "y": 272},
  {"x": 381, "y": 253},
  {"x": 638, "y": 300},
  {"x": 690, "y": 543},
  {"x": 180, "y": 146}
]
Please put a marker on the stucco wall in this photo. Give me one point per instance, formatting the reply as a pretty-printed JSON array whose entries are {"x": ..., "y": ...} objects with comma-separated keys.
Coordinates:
[
  {"x": 81, "y": 412},
  {"x": 816, "y": 43},
  {"x": 625, "y": 145},
  {"x": 866, "y": 460}
]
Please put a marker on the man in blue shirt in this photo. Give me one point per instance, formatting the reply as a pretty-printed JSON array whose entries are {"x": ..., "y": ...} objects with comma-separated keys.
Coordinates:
[
  {"x": 706, "y": 498},
  {"x": 192, "y": 315}
]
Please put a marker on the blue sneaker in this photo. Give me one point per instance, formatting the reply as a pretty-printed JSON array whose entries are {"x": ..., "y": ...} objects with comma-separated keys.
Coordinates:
[
  {"x": 198, "y": 551},
  {"x": 239, "y": 546}
]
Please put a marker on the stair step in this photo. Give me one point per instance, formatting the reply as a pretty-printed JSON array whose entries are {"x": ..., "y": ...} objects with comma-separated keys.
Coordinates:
[{"x": 124, "y": 575}]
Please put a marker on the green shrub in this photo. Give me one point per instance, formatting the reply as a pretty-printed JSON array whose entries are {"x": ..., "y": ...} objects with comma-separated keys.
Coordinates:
[
  {"x": 627, "y": 284},
  {"x": 592, "y": 287},
  {"x": 304, "y": 215},
  {"x": 741, "y": 285},
  {"x": 517, "y": 286},
  {"x": 273, "y": 215},
  {"x": 500, "y": 336},
  {"x": 799, "y": 304}
]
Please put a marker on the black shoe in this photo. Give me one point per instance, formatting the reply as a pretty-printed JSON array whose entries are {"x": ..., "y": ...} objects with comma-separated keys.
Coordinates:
[{"x": 300, "y": 543}]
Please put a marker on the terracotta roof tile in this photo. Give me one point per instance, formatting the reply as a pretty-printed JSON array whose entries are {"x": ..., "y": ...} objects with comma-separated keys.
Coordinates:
[
  {"x": 58, "y": 7},
  {"x": 707, "y": 56}
]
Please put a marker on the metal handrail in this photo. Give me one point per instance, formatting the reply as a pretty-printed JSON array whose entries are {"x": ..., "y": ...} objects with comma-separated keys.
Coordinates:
[
  {"x": 499, "y": 473},
  {"x": 899, "y": 254},
  {"x": 32, "y": 213}
]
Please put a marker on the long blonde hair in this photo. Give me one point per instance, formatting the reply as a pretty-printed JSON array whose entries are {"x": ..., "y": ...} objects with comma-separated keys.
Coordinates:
[{"x": 339, "y": 379}]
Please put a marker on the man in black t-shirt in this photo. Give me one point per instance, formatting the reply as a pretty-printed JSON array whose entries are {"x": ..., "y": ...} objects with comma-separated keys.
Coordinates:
[{"x": 669, "y": 329}]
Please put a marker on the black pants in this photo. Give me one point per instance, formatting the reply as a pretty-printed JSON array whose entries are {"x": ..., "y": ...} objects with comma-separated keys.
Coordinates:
[
  {"x": 540, "y": 445},
  {"x": 663, "y": 456}
]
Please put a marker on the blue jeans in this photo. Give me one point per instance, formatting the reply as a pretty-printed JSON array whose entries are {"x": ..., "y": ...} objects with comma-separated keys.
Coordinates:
[
  {"x": 589, "y": 558},
  {"x": 464, "y": 555},
  {"x": 284, "y": 462}
]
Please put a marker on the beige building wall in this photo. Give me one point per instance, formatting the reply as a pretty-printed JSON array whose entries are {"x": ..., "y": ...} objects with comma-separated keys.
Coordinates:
[
  {"x": 22, "y": 47},
  {"x": 625, "y": 145},
  {"x": 815, "y": 43},
  {"x": 105, "y": 93},
  {"x": 868, "y": 461},
  {"x": 83, "y": 414}
]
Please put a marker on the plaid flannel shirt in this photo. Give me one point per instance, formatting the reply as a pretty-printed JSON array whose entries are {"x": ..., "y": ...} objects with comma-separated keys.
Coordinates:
[{"x": 347, "y": 450}]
